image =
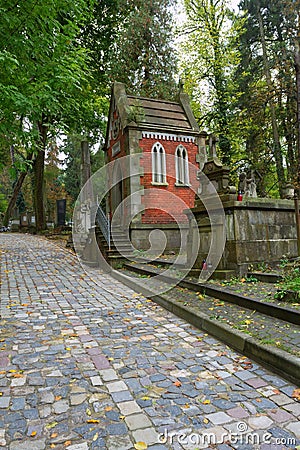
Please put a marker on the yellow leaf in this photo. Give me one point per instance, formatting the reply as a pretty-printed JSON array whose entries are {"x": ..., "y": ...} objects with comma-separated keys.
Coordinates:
[
  {"x": 54, "y": 435},
  {"x": 296, "y": 394},
  {"x": 140, "y": 445},
  {"x": 89, "y": 412},
  {"x": 145, "y": 398},
  {"x": 108, "y": 408},
  {"x": 51, "y": 425},
  {"x": 12, "y": 371},
  {"x": 95, "y": 436},
  {"x": 205, "y": 420},
  {"x": 68, "y": 348},
  {"x": 52, "y": 446},
  {"x": 92, "y": 421},
  {"x": 186, "y": 406},
  {"x": 122, "y": 417},
  {"x": 1, "y": 393},
  {"x": 67, "y": 443},
  {"x": 206, "y": 402},
  {"x": 248, "y": 322},
  {"x": 33, "y": 433},
  {"x": 58, "y": 397}
]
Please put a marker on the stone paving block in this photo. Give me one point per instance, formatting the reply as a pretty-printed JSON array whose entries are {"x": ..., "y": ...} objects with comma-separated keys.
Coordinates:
[
  {"x": 219, "y": 418},
  {"x": 39, "y": 444},
  {"x": 280, "y": 399},
  {"x": 60, "y": 406},
  {"x": 128, "y": 408},
  {"x": 116, "y": 386},
  {"x": 260, "y": 422},
  {"x": 137, "y": 421},
  {"x": 4, "y": 402},
  {"x": 108, "y": 375},
  {"x": 280, "y": 416},
  {"x": 119, "y": 443},
  {"x": 16, "y": 382},
  {"x": 294, "y": 428},
  {"x": 293, "y": 408},
  {"x": 83, "y": 446},
  {"x": 238, "y": 412},
  {"x": 147, "y": 435},
  {"x": 96, "y": 381}
]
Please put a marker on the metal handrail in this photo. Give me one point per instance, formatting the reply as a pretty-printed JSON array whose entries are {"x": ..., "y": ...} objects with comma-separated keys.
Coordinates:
[{"x": 104, "y": 224}]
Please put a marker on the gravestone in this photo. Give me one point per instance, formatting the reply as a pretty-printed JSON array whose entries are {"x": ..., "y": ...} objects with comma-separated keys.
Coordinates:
[{"x": 61, "y": 212}]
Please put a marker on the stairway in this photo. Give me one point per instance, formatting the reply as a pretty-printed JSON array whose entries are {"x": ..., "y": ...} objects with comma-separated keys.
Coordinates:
[{"x": 119, "y": 248}]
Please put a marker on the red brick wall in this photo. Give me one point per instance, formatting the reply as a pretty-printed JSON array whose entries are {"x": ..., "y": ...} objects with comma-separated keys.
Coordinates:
[{"x": 159, "y": 206}]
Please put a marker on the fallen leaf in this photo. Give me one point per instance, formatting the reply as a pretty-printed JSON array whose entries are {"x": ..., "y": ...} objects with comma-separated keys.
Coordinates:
[
  {"x": 205, "y": 420},
  {"x": 122, "y": 417},
  {"x": 34, "y": 433},
  {"x": 108, "y": 408},
  {"x": 54, "y": 435},
  {"x": 67, "y": 443},
  {"x": 18, "y": 375},
  {"x": 58, "y": 397},
  {"x": 177, "y": 383},
  {"x": 95, "y": 437},
  {"x": 296, "y": 394},
  {"x": 140, "y": 445},
  {"x": 92, "y": 421},
  {"x": 89, "y": 412},
  {"x": 206, "y": 402},
  {"x": 51, "y": 425}
]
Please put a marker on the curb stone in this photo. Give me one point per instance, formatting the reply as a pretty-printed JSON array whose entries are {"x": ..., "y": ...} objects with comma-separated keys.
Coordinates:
[{"x": 279, "y": 361}]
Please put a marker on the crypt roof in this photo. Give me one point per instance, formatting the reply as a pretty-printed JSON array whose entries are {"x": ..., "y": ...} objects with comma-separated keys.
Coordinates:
[{"x": 150, "y": 114}]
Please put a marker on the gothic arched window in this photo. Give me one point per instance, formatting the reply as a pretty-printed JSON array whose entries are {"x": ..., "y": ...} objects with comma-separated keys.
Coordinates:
[
  {"x": 182, "y": 165},
  {"x": 158, "y": 163}
]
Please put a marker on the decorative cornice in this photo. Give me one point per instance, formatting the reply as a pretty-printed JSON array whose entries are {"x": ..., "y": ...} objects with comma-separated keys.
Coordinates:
[{"x": 168, "y": 137}]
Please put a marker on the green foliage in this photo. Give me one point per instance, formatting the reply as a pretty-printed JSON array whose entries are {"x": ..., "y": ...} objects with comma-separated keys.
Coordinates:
[
  {"x": 208, "y": 66},
  {"x": 290, "y": 282},
  {"x": 3, "y": 202},
  {"x": 143, "y": 58}
]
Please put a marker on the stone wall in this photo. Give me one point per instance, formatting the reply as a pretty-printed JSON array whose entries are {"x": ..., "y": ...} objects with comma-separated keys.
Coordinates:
[
  {"x": 167, "y": 236},
  {"x": 257, "y": 230}
]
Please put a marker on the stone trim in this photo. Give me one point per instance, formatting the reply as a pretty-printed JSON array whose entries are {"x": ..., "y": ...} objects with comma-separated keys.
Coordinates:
[{"x": 168, "y": 137}]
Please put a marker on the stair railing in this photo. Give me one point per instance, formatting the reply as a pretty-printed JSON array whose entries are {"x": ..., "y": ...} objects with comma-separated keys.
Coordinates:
[{"x": 104, "y": 224}]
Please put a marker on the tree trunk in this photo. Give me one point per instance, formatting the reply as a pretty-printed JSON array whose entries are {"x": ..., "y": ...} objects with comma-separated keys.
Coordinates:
[
  {"x": 38, "y": 170},
  {"x": 277, "y": 146},
  {"x": 13, "y": 198},
  {"x": 17, "y": 189}
]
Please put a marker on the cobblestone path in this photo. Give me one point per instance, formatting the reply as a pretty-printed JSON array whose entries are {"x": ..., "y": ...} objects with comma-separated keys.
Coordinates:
[{"x": 86, "y": 363}]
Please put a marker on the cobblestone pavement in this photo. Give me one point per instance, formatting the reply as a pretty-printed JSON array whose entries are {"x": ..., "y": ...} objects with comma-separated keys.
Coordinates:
[{"x": 86, "y": 363}]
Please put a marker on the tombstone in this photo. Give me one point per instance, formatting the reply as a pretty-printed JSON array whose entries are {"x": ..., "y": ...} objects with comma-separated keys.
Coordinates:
[{"x": 61, "y": 212}]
